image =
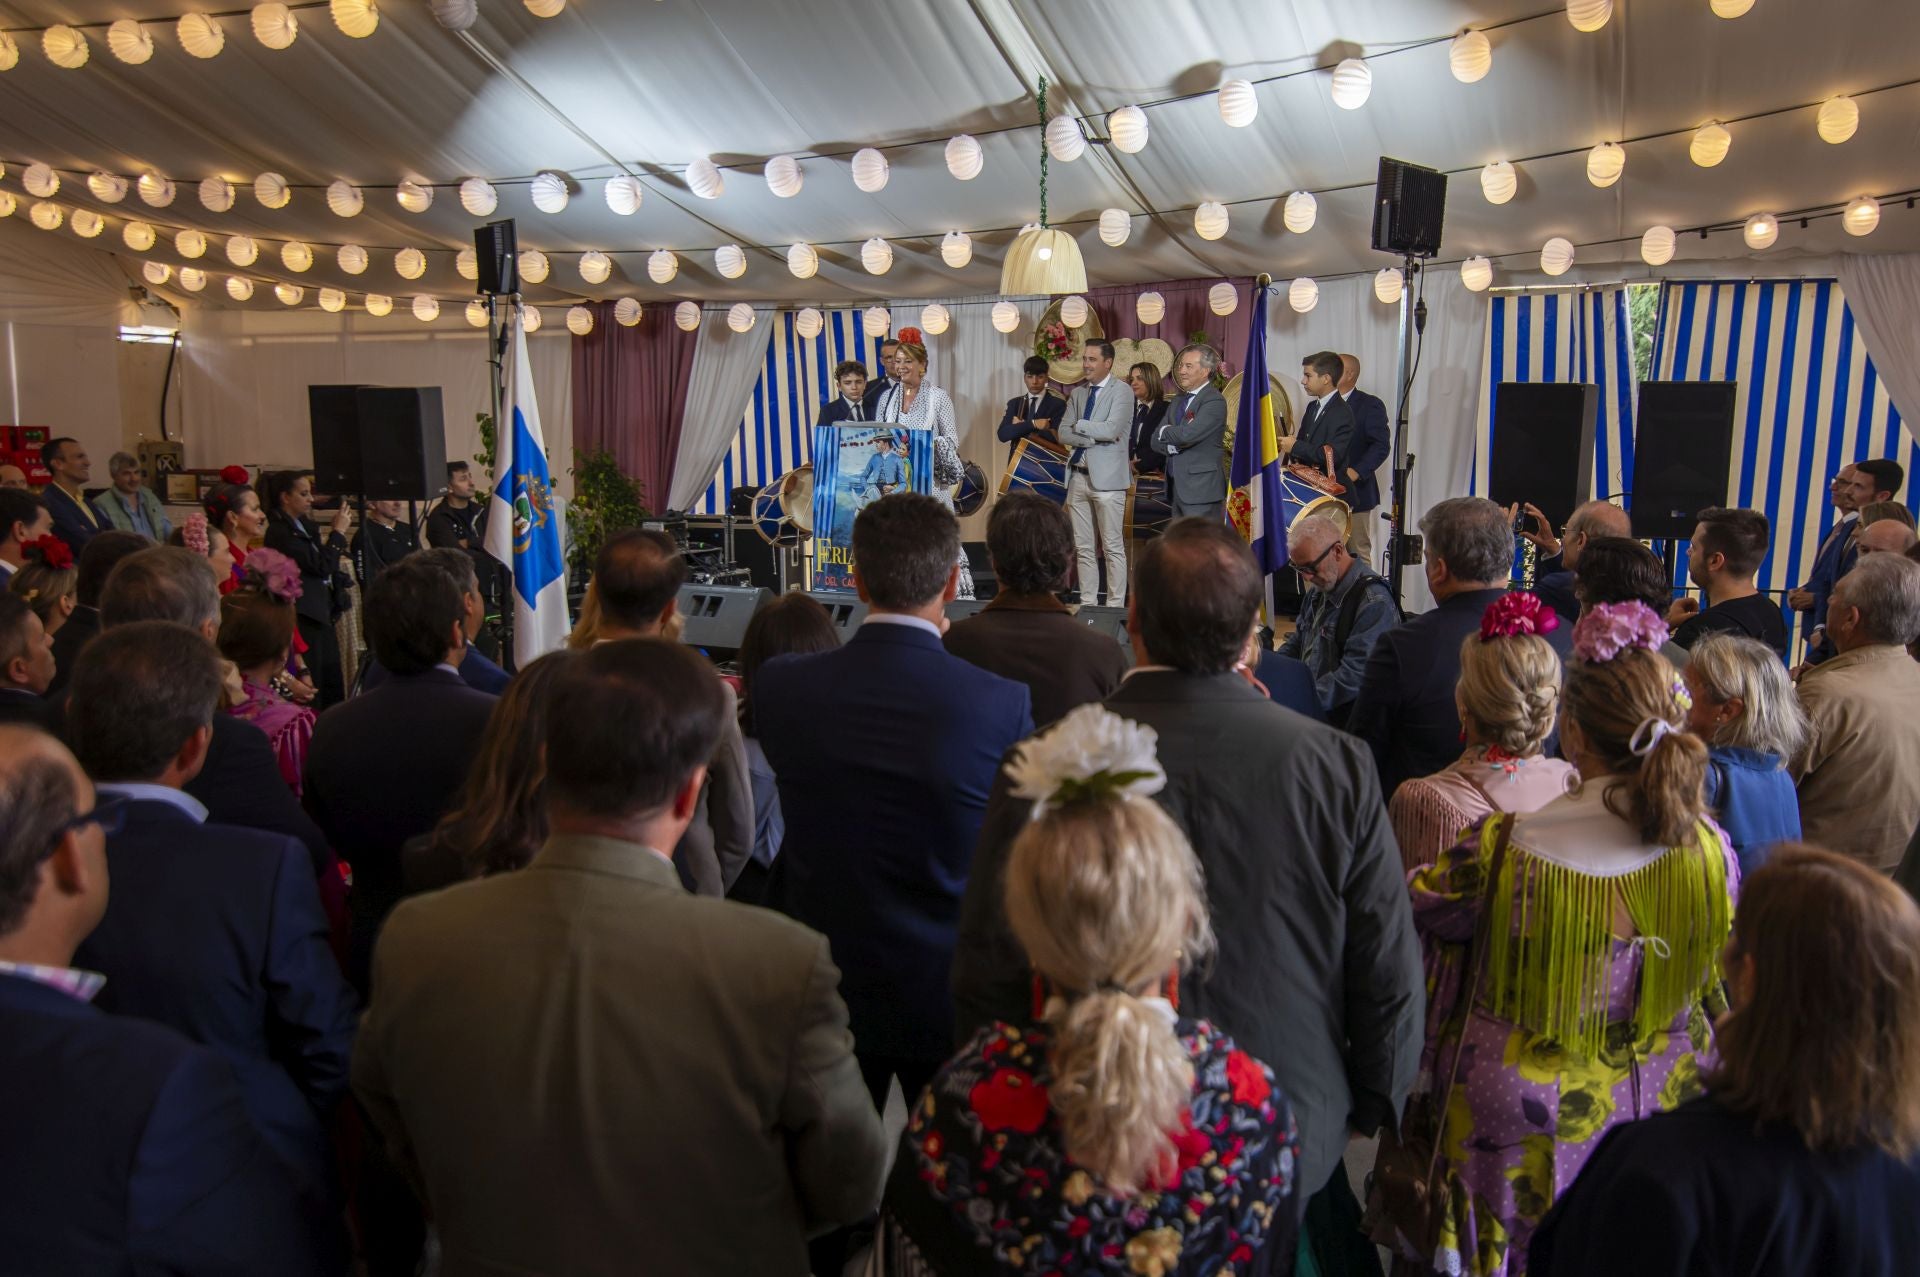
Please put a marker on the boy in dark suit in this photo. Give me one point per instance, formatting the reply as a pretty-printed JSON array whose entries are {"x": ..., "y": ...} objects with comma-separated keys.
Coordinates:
[
  {"x": 1327, "y": 421},
  {"x": 850, "y": 376},
  {"x": 1035, "y": 414}
]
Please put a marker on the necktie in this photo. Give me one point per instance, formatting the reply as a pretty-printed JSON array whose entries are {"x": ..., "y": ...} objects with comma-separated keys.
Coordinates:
[
  {"x": 1033, "y": 408},
  {"x": 858, "y": 413},
  {"x": 1080, "y": 454}
]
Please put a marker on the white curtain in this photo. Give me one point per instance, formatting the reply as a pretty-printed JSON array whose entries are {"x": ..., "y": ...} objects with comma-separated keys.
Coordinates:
[
  {"x": 726, "y": 364},
  {"x": 1445, "y": 409},
  {"x": 1883, "y": 291}
]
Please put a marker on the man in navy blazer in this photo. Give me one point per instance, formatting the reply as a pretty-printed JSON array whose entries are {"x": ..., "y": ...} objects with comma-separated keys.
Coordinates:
[
  {"x": 211, "y": 930},
  {"x": 75, "y": 521},
  {"x": 1372, "y": 443},
  {"x": 850, "y": 378},
  {"x": 882, "y": 382},
  {"x": 885, "y": 751},
  {"x": 476, "y": 671},
  {"x": 1037, "y": 413},
  {"x": 128, "y": 1148}
]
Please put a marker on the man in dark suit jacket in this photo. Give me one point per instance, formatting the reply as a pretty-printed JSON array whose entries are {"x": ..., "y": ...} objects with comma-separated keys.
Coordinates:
[
  {"x": 1327, "y": 421},
  {"x": 128, "y": 1148},
  {"x": 850, "y": 378},
  {"x": 1036, "y": 414},
  {"x": 476, "y": 671},
  {"x": 1372, "y": 445},
  {"x": 384, "y": 538},
  {"x": 1193, "y": 437},
  {"x": 212, "y": 930},
  {"x": 26, "y": 665},
  {"x": 1317, "y": 970},
  {"x": 885, "y": 750},
  {"x": 1405, "y": 710},
  {"x": 883, "y": 380},
  {"x": 95, "y": 563},
  {"x": 386, "y": 765},
  {"x": 75, "y": 521},
  {"x": 1026, "y": 633}
]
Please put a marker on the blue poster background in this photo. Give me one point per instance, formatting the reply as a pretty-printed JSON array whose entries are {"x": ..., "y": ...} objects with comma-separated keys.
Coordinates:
[{"x": 852, "y": 466}]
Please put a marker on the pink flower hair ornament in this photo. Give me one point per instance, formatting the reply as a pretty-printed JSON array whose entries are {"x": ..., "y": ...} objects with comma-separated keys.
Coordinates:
[
  {"x": 1607, "y": 629},
  {"x": 1516, "y": 613},
  {"x": 273, "y": 574},
  {"x": 193, "y": 534}
]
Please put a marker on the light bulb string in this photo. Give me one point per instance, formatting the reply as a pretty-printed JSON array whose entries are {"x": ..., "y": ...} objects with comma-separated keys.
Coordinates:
[{"x": 102, "y": 24}]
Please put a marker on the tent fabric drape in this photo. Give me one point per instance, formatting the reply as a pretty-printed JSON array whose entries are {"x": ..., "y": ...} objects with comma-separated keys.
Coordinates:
[
  {"x": 1883, "y": 292},
  {"x": 630, "y": 393},
  {"x": 47, "y": 279},
  {"x": 726, "y": 366}
]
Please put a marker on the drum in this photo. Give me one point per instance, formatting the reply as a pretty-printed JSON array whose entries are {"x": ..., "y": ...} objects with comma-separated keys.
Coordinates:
[
  {"x": 1299, "y": 498},
  {"x": 783, "y": 510},
  {"x": 796, "y": 498},
  {"x": 970, "y": 494},
  {"x": 1150, "y": 511},
  {"x": 1037, "y": 467}
]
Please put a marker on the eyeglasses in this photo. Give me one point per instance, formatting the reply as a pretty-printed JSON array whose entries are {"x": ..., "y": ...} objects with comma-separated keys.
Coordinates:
[
  {"x": 108, "y": 813},
  {"x": 1307, "y": 568}
]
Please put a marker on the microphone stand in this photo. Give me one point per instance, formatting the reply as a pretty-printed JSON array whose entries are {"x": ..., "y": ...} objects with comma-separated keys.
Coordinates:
[{"x": 1403, "y": 548}]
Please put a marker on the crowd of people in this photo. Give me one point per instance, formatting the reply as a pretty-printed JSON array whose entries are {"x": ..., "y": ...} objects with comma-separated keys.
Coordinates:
[{"x": 612, "y": 963}]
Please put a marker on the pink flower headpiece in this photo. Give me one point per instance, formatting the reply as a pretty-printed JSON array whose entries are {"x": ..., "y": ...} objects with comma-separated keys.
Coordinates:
[
  {"x": 273, "y": 574},
  {"x": 193, "y": 534},
  {"x": 1516, "y": 613},
  {"x": 1607, "y": 629}
]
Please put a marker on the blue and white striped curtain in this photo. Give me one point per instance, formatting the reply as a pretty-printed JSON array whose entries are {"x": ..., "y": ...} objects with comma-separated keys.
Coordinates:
[
  {"x": 776, "y": 434},
  {"x": 1809, "y": 401},
  {"x": 1575, "y": 335}
]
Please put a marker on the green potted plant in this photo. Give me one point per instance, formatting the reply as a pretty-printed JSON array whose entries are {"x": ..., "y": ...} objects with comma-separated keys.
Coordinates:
[{"x": 605, "y": 501}]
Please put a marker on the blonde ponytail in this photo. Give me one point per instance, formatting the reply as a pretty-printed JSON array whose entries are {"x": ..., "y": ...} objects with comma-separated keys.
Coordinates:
[{"x": 1120, "y": 1081}]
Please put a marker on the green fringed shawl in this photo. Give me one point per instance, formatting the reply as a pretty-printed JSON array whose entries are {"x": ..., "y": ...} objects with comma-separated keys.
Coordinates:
[{"x": 1551, "y": 943}]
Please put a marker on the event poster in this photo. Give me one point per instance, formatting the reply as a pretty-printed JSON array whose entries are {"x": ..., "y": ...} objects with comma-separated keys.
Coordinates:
[{"x": 853, "y": 466}]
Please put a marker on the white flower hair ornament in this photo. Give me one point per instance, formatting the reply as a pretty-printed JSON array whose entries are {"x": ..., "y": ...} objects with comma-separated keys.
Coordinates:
[{"x": 1091, "y": 753}]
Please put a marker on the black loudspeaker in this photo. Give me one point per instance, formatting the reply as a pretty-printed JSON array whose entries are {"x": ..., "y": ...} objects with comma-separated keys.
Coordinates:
[
  {"x": 1543, "y": 445},
  {"x": 1111, "y": 621},
  {"x": 986, "y": 583},
  {"x": 403, "y": 443},
  {"x": 845, "y": 610},
  {"x": 716, "y": 616},
  {"x": 334, "y": 417},
  {"x": 495, "y": 251},
  {"x": 1409, "y": 207},
  {"x": 1683, "y": 450}
]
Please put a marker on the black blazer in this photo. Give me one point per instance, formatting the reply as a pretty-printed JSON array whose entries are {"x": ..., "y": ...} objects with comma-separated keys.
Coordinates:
[
  {"x": 1335, "y": 426},
  {"x": 1034, "y": 640},
  {"x": 79, "y": 630},
  {"x": 240, "y": 784},
  {"x": 1146, "y": 420},
  {"x": 1372, "y": 445},
  {"x": 835, "y": 411},
  {"x": 1052, "y": 408},
  {"x": 18, "y": 705},
  {"x": 321, "y": 559},
  {"x": 374, "y": 547},
  {"x": 876, "y": 391}
]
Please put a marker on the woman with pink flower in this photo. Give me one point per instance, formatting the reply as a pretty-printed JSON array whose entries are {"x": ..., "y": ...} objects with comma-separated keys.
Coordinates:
[{"x": 257, "y": 634}]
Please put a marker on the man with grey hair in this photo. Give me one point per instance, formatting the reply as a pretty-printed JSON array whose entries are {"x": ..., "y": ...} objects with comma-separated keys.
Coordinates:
[
  {"x": 130, "y": 505},
  {"x": 1193, "y": 436},
  {"x": 1347, "y": 607},
  {"x": 1405, "y": 709},
  {"x": 1859, "y": 775},
  {"x": 1554, "y": 570}
]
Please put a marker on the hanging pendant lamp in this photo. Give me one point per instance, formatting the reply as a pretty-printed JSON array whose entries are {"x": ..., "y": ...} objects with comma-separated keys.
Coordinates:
[{"x": 1041, "y": 259}]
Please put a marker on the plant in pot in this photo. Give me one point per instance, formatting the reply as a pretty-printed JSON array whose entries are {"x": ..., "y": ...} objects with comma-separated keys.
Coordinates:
[{"x": 605, "y": 501}]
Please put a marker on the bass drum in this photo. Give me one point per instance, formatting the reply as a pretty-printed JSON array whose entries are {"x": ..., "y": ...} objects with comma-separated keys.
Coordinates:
[
  {"x": 970, "y": 494},
  {"x": 1037, "y": 467},
  {"x": 783, "y": 510}
]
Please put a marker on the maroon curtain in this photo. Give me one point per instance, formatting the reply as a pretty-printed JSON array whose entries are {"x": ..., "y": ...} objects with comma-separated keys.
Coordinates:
[
  {"x": 630, "y": 393},
  {"x": 1187, "y": 313}
]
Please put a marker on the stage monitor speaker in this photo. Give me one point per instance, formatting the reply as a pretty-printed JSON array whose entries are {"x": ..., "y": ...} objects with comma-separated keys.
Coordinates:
[
  {"x": 1409, "y": 207},
  {"x": 1683, "y": 450},
  {"x": 846, "y": 611},
  {"x": 1111, "y": 621},
  {"x": 1543, "y": 445},
  {"x": 715, "y": 616},
  {"x": 495, "y": 252},
  {"x": 333, "y": 415},
  {"x": 403, "y": 443}
]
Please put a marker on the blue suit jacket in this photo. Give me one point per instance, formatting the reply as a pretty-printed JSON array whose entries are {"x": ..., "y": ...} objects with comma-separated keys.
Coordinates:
[
  {"x": 476, "y": 671},
  {"x": 885, "y": 750},
  {"x": 216, "y": 932},
  {"x": 129, "y": 1152},
  {"x": 71, "y": 521},
  {"x": 1372, "y": 445},
  {"x": 1835, "y": 559},
  {"x": 1289, "y": 682}
]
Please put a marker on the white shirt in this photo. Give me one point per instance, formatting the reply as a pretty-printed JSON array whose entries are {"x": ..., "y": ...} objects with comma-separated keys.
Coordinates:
[
  {"x": 901, "y": 618},
  {"x": 141, "y": 791},
  {"x": 854, "y": 407}
]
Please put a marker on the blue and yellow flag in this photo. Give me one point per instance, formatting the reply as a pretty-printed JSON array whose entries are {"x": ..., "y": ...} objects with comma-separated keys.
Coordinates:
[
  {"x": 525, "y": 526},
  {"x": 1254, "y": 504}
]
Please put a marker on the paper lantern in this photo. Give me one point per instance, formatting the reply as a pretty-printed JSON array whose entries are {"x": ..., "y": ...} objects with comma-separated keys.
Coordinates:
[
  {"x": 730, "y": 260},
  {"x": 272, "y": 190},
  {"x": 344, "y": 199},
  {"x": 1709, "y": 145},
  {"x": 1065, "y": 142},
  {"x": 200, "y": 35},
  {"x": 870, "y": 170},
  {"x": 662, "y": 266},
  {"x": 242, "y": 250},
  {"x": 1300, "y": 210},
  {"x": 1730, "y": 8},
  {"x": 627, "y": 312},
  {"x": 549, "y": 192},
  {"x": 190, "y": 244},
  {"x": 1006, "y": 317},
  {"x": 964, "y": 157},
  {"x": 138, "y": 236},
  {"x": 1303, "y": 294},
  {"x": 545, "y": 8},
  {"x": 332, "y": 300},
  {"x": 686, "y": 316},
  {"x": 216, "y": 194},
  {"x": 1116, "y": 224},
  {"x": 456, "y": 15},
  {"x": 1862, "y": 215},
  {"x": 1499, "y": 181},
  {"x": 1761, "y": 230},
  {"x": 579, "y": 320},
  {"x": 808, "y": 322},
  {"x": 740, "y": 317},
  {"x": 534, "y": 266},
  {"x": 956, "y": 249},
  {"x": 1073, "y": 311},
  {"x": 415, "y": 195},
  {"x": 877, "y": 256},
  {"x": 426, "y": 309},
  {"x": 1389, "y": 284},
  {"x": 1352, "y": 84},
  {"x": 9, "y": 52},
  {"x": 934, "y": 319},
  {"x": 595, "y": 266},
  {"x": 704, "y": 179},
  {"x": 129, "y": 42},
  {"x": 802, "y": 261},
  {"x": 1589, "y": 15},
  {"x": 1210, "y": 220},
  {"x": 1657, "y": 245},
  {"x": 65, "y": 47},
  {"x": 1556, "y": 256},
  {"x": 40, "y": 180},
  {"x": 356, "y": 18},
  {"x": 531, "y": 318},
  {"x": 108, "y": 188},
  {"x": 192, "y": 278},
  {"x": 88, "y": 224},
  {"x": 1838, "y": 119},
  {"x": 783, "y": 176},
  {"x": 47, "y": 217},
  {"x": 351, "y": 258},
  {"x": 240, "y": 288},
  {"x": 1223, "y": 299},
  {"x": 1150, "y": 308},
  {"x": 1239, "y": 104},
  {"x": 379, "y": 304},
  {"x": 1605, "y": 163},
  {"x": 875, "y": 321},
  {"x": 1476, "y": 274},
  {"x": 1042, "y": 260},
  {"x": 1128, "y": 129},
  {"x": 296, "y": 257},
  {"x": 466, "y": 264},
  {"x": 478, "y": 197},
  {"x": 289, "y": 294},
  {"x": 275, "y": 26},
  {"x": 623, "y": 195},
  {"x": 8, "y": 205},
  {"x": 476, "y": 314},
  {"x": 158, "y": 273},
  {"x": 411, "y": 263},
  {"x": 1470, "y": 57}
]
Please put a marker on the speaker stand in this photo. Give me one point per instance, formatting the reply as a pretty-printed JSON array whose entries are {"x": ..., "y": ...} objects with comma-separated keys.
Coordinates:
[{"x": 1400, "y": 544}]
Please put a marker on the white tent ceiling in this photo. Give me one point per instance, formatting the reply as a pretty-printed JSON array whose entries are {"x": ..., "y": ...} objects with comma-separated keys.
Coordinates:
[{"x": 613, "y": 85}]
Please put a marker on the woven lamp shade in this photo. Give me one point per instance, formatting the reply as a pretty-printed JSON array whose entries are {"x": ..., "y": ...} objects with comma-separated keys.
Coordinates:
[{"x": 1026, "y": 270}]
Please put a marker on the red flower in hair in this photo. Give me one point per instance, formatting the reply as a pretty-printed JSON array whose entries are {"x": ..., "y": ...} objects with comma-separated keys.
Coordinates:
[
  {"x": 1516, "y": 613},
  {"x": 52, "y": 551},
  {"x": 235, "y": 475},
  {"x": 911, "y": 336}
]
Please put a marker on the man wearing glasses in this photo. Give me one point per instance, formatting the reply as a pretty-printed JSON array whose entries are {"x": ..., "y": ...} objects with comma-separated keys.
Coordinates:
[
  {"x": 130, "y": 505},
  {"x": 1347, "y": 607}
]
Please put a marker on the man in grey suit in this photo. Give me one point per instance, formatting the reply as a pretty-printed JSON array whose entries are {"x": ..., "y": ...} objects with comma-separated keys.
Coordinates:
[
  {"x": 1193, "y": 437},
  {"x": 587, "y": 1070},
  {"x": 1327, "y": 422},
  {"x": 1099, "y": 473}
]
